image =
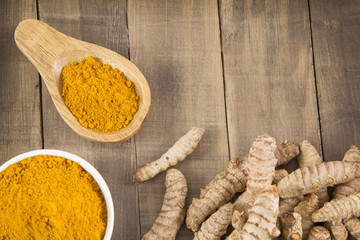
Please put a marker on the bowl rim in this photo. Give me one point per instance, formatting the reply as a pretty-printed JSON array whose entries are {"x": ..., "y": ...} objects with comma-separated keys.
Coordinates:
[{"x": 87, "y": 167}]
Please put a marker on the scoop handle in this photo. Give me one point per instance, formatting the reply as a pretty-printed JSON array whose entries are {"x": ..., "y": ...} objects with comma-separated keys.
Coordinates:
[{"x": 41, "y": 44}]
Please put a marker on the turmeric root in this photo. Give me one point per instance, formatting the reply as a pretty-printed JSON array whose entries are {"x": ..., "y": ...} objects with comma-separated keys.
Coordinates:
[
  {"x": 234, "y": 235},
  {"x": 183, "y": 147},
  {"x": 215, "y": 226},
  {"x": 353, "y": 225},
  {"x": 306, "y": 208},
  {"x": 309, "y": 156},
  {"x": 218, "y": 192},
  {"x": 338, "y": 209},
  {"x": 347, "y": 188},
  {"x": 286, "y": 151},
  {"x": 261, "y": 223},
  {"x": 242, "y": 202},
  {"x": 285, "y": 204},
  {"x": 240, "y": 214},
  {"x": 339, "y": 231},
  {"x": 310, "y": 179},
  {"x": 238, "y": 220},
  {"x": 288, "y": 204},
  {"x": 260, "y": 164},
  {"x": 319, "y": 233},
  {"x": 256, "y": 222},
  {"x": 260, "y": 168},
  {"x": 291, "y": 225},
  {"x": 279, "y": 174},
  {"x": 352, "y": 155},
  {"x": 323, "y": 196},
  {"x": 172, "y": 212}
]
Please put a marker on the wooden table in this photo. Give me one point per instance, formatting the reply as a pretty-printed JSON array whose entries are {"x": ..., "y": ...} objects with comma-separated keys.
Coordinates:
[{"x": 290, "y": 68}]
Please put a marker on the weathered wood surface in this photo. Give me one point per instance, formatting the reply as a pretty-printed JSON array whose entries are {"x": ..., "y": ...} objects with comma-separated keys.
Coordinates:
[
  {"x": 176, "y": 45},
  {"x": 261, "y": 51},
  {"x": 104, "y": 25},
  {"x": 20, "y": 114},
  {"x": 336, "y": 37},
  {"x": 268, "y": 70}
]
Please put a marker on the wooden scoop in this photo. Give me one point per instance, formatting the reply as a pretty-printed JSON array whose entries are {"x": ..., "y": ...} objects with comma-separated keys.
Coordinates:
[{"x": 50, "y": 50}]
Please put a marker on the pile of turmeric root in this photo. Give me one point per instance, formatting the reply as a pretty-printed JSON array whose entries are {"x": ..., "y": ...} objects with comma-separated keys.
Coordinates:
[{"x": 259, "y": 199}]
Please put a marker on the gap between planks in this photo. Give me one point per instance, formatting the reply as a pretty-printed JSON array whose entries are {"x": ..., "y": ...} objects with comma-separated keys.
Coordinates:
[
  {"x": 223, "y": 74},
  {"x": 316, "y": 84}
]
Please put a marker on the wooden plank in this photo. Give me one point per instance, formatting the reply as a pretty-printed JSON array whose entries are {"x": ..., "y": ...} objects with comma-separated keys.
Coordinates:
[
  {"x": 176, "y": 45},
  {"x": 103, "y": 24},
  {"x": 20, "y": 117},
  {"x": 269, "y": 77},
  {"x": 336, "y": 33}
]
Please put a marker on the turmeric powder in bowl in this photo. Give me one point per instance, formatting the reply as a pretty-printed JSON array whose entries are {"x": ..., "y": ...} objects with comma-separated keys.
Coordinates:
[
  {"x": 50, "y": 197},
  {"x": 100, "y": 97}
]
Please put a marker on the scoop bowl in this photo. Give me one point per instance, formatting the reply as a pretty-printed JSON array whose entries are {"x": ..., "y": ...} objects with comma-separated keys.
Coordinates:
[{"x": 50, "y": 50}]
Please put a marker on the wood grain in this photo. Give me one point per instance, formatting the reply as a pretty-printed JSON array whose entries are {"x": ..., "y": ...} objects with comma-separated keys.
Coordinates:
[
  {"x": 20, "y": 117},
  {"x": 176, "y": 45},
  {"x": 336, "y": 34},
  {"x": 104, "y": 25},
  {"x": 268, "y": 75},
  {"x": 268, "y": 70}
]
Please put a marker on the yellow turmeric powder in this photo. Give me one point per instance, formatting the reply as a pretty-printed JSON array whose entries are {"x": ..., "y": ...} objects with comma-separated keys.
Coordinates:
[
  {"x": 101, "y": 98},
  {"x": 48, "y": 197}
]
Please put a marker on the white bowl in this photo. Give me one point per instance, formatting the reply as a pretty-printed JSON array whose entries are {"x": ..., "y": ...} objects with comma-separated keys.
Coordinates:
[{"x": 87, "y": 167}]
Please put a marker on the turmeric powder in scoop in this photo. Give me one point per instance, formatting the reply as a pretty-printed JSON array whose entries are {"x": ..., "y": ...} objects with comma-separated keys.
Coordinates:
[{"x": 100, "y": 97}]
